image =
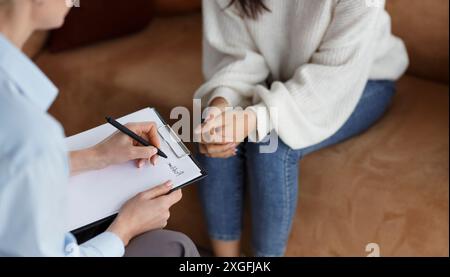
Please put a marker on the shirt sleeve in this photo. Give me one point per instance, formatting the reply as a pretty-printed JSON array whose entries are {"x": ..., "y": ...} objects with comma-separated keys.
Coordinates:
[
  {"x": 232, "y": 66},
  {"x": 323, "y": 93},
  {"x": 232, "y": 97},
  {"x": 32, "y": 197},
  {"x": 32, "y": 204},
  {"x": 106, "y": 244}
]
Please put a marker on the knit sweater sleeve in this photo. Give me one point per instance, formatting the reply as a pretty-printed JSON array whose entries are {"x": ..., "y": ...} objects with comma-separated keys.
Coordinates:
[
  {"x": 231, "y": 65},
  {"x": 322, "y": 94}
]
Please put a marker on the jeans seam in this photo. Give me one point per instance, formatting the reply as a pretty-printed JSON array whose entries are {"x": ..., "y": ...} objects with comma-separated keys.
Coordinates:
[{"x": 287, "y": 197}]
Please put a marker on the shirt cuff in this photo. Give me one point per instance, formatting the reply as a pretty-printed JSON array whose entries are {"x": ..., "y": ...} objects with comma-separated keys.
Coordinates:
[
  {"x": 262, "y": 123},
  {"x": 231, "y": 96},
  {"x": 106, "y": 244}
]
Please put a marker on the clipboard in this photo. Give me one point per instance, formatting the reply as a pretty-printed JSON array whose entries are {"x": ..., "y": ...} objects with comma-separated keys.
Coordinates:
[
  {"x": 178, "y": 149},
  {"x": 169, "y": 136}
]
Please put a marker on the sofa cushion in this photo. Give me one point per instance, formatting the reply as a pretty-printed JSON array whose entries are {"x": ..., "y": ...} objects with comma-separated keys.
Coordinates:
[
  {"x": 423, "y": 25},
  {"x": 97, "y": 20},
  {"x": 389, "y": 185}
]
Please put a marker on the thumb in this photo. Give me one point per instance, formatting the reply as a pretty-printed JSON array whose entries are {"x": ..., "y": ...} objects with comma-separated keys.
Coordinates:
[
  {"x": 141, "y": 152},
  {"x": 198, "y": 130},
  {"x": 158, "y": 190},
  {"x": 215, "y": 122}
]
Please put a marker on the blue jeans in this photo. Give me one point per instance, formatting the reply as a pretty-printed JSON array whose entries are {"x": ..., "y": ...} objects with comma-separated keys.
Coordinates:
[{"x": 272, "y": 180}]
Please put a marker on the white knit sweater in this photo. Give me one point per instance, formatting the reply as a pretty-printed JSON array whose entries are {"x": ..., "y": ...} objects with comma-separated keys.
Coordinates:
[{"x": 303, "y": 66}]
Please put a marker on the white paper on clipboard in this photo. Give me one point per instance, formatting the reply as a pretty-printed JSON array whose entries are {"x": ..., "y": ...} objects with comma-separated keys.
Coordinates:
[{"x": 95, "y": 195}]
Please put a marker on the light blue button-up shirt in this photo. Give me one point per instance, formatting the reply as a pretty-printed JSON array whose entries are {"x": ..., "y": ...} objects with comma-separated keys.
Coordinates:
[{"x": 34, "y": 167}]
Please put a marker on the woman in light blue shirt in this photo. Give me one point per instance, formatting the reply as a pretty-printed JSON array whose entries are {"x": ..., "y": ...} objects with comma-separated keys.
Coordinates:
[{"x": 34, "y": 162}]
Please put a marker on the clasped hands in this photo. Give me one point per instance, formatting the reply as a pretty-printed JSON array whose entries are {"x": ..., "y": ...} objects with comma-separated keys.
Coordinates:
[{"x": 224, "y": 129}]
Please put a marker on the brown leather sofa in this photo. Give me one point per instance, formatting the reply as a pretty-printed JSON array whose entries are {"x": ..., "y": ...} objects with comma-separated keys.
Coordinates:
[{"x": 389, "y": 186}]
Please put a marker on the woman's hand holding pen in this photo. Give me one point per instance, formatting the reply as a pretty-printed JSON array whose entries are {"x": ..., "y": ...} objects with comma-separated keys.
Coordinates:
[
  {"x": 224, "y": 129},
  {"x": 118, "y": 148}
]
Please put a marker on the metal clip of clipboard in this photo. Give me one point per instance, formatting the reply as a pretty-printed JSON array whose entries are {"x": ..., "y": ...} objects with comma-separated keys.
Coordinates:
[{"x": 175, "y": 143}]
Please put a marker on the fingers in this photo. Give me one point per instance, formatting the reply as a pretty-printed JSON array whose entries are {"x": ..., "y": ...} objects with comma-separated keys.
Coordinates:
[
  {"x": 142, "y": 153},
  {"x": 211, "y": 113},
  {"x": 172, "y": 198},
  {"x": 222, "y": 128},
  {"x": 212, "y": 131},
  {"x": 203, "y": 149},
  {"x": 154, "y": 159},
  {"x": 218, "y": 150},
  {"x": 223, "y": 135},
  {"x": 141, "y": 162},
  {"x": 157, "y": 191},
  {"x": 223, "y": 155},
  {"x": 214, "y": 123},
  {"x": 148, "y": 130}
]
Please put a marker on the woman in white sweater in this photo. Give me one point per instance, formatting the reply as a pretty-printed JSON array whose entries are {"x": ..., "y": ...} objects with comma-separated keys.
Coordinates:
[{"x": 309, "y": 72}]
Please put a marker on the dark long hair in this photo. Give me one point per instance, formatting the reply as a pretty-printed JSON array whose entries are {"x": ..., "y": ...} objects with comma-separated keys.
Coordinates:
[{"x": 251, "y": 8}]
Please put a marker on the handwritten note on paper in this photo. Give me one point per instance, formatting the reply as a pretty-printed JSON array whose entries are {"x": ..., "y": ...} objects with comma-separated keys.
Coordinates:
[
  {"x": 98, "y": 194},
  {"x": 175, "y": 170}
]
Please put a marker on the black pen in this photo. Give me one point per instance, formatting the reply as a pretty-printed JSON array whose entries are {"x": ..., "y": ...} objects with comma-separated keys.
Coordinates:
[{"x": 131, "y": 134}]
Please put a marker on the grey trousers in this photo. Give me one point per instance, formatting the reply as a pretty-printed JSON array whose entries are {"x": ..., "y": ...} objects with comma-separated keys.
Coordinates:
[{"x": 161, "y": 243}]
